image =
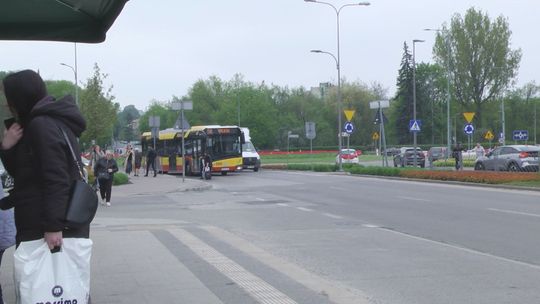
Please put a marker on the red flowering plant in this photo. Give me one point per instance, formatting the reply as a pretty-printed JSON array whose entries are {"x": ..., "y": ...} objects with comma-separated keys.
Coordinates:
[{"x": 473, "y": 176}]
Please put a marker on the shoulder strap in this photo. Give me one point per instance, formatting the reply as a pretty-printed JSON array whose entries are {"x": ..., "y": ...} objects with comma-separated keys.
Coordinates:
[{"x": 75, "y": 159}]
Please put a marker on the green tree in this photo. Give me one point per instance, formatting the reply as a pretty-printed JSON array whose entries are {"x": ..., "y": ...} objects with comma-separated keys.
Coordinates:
[
  {"x": 98, "y": 109},
  {"x": 431, "y": 94},
  {"x": 401, "y": 111},
  {"x": 477, "y": 50},
  {"x": 167, "y": 117},
  {"x": 60, "y": 88},
  {"x": 125, "y": 123}
]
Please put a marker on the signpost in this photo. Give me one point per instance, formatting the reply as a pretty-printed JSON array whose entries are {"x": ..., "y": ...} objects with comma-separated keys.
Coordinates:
[
  {"x": 489, "y": 136},
  {"x": 153, "y": 123},
  {"x": 310, "y": 134},
  {"x": 520, "y": 135},
  {"x": 469, "y": 128},
  {"x": 289, "y": 136},
  {"x": 182, "y": 105},
  {"x": 380, "y": 104}
]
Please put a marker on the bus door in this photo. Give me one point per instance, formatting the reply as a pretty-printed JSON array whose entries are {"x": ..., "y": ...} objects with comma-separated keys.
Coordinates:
[{"x": 197, "y": 154}]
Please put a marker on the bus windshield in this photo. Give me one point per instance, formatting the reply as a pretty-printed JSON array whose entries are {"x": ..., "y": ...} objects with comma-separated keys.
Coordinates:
[{"x": 224, "y": 145}]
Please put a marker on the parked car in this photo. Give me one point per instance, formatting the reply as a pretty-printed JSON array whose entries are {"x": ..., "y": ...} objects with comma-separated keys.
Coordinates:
[
  {"x": 510, "y": 158},
  {"x": 517, "y": 158},
  {"x": 436, "y": 153},
  {"x": 348, "y": 156},
  {"x": 7, "y": 181},
  {"x": 406, "y": 157},
  {"x": 392, "y": 151}
]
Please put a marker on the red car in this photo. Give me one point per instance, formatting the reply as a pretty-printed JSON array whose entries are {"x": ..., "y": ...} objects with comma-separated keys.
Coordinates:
[{"x": 349, "y": 156}]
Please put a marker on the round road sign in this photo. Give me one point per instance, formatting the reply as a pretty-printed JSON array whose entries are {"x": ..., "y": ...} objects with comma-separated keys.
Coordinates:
[
  {"x": 468, "y": 129},
  {"x": 348, "y": 127}
]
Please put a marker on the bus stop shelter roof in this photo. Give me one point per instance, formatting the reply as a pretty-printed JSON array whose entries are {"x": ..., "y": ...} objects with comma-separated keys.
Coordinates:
[{"x": 58, "y": 20}]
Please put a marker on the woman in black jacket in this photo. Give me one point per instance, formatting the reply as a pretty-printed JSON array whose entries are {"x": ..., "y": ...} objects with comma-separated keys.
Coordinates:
[
  {"x": 34, "y": 152},
  {"x": 104, "y": 172}
]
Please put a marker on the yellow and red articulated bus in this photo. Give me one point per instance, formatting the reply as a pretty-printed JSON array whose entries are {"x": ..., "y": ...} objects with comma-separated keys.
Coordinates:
[{"x": 222, "y": 143}]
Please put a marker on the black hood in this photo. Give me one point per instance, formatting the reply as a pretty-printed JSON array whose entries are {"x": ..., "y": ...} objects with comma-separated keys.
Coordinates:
[{"x": 64, "y": 110}]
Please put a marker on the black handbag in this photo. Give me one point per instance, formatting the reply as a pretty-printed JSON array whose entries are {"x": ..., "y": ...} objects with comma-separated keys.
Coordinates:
[{"x": 83, "y": 201}]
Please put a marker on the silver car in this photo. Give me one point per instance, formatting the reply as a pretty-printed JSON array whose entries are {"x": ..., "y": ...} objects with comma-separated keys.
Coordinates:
[{"x": 517, "y": 158}]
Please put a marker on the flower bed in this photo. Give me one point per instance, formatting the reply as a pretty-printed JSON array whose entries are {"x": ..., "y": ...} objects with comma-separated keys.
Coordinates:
[{"x": 473, "y": 176}]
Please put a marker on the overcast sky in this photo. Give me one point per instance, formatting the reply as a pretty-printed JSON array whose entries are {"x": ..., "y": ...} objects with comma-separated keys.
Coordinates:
[{"x": 157, "y": 49}]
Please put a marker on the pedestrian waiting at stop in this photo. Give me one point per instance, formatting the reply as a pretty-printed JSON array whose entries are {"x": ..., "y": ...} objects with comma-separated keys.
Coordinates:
[
  {"x": 130, "y": 159},
  {"x": 138, "y": 161},
  {"x": 206, "y": 166},
  {"x": 104, "y": 172},
  {"x": 151, "y": 161}
]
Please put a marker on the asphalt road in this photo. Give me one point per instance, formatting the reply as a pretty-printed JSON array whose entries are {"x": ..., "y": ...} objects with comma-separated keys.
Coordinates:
[
  {"x": 278, "y": 237},
  {"x": 391, "y": 241}
]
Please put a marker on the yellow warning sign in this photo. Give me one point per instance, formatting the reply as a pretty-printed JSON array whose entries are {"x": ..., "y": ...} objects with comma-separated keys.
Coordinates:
[
  {"x": 489, "y": 136},
  {"x": 375, "y": 136},
  {"x": 349, "y": 114},
  {"x": 469, "y": 116}
]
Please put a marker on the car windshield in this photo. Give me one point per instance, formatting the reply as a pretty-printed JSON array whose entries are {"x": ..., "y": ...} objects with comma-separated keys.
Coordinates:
[
  {"x": 348, "y": 151},
  {"x": 248, "y": 147}
]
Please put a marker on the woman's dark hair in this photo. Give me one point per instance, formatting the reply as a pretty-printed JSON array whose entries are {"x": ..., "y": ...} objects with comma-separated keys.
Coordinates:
[{"x": 23, "y": 90}]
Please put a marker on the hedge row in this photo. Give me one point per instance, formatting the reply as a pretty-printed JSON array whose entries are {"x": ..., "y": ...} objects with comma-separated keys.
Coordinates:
[{"x": 486, "y": 177}]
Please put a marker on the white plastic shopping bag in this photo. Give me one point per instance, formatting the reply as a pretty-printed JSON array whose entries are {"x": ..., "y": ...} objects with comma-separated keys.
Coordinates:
[{"x": 45, "y": 277}]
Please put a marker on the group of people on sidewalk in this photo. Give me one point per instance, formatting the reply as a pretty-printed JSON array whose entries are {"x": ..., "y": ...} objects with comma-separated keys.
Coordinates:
[
  {"x": 133, "y": 161},
  {"x": 104, "y": 166}
]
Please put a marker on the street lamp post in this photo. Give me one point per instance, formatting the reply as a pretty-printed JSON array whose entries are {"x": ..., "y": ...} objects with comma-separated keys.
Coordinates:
[
  {"x": 74, "y": 69},
  {"x": 76, "y": 86},
  {"x": 414, "y": 97},
  {"x": 448, "y": 142},
  {"x": 338, "y": 63}
]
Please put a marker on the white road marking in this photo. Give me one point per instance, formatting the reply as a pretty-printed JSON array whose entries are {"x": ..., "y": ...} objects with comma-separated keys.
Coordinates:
[
  {"x": 338, "y": 188},
  {"x": 533, "y": 266},
  {"x": 260, "y": 199},
  {"x": 514, "y": 212},
  {"x": 370, "y": 226},
  {"x": 282, "y": 204},
  {"x": 338, "y": 217},
  {"x": 413, "y": 198},
  {"x": 304, "y": 209},
  {"x": 256, "y": 287},
  {"x": 336, "y": 291}
]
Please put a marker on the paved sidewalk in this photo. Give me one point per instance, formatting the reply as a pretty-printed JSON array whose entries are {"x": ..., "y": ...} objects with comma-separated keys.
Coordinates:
[
  {"x": 145, "y": 185},
  {"x": 129, "y": 264}
]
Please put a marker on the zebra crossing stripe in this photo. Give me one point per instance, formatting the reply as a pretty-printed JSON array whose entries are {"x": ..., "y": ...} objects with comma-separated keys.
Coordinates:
[{"x": 257, "y": 288}]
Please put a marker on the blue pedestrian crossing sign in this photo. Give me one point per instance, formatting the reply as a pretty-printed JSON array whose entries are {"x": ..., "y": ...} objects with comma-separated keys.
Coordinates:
[
  {"x": 348, "y": 127},
  {"x": 468, "y": 129},
  {"x": 415, "y": 125}
]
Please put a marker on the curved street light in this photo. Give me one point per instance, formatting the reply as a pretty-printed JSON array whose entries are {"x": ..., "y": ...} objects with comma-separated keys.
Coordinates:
[
  {"x": 76, "y": 86},
  {"x": 414, "y": 97},
  {"x": 338, "y": 62},
  {"x": 74, "y": 69}
]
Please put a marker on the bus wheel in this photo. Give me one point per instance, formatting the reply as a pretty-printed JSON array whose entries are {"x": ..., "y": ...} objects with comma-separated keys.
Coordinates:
[{"x": 223, "y": 173}]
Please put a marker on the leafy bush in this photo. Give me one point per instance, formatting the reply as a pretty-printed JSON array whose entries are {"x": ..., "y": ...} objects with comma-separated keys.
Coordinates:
[
  {"x": 312, "y": 167},
  {"x": 120, "y": 178},
  {"x": 373, "y": 170},
  {"x": 451, "y": 163}
]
